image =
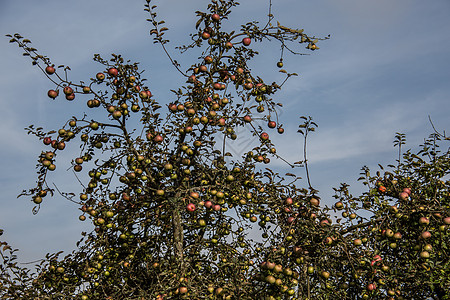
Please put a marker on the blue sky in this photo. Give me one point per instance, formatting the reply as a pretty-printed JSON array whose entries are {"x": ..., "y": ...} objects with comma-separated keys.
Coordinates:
[{"x": 385, "y": 69}]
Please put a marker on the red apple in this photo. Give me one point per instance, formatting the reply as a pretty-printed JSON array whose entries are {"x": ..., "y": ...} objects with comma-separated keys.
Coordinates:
[
  {"x": 190, "y": 207},
  {"x": 47, "y": 140},
  {"x": 172, "y": 107},
  {"x": 50, "y": 70},
  {"x": 404, "y": 196},
  {"x": 264, "y": 136},
  {"x": 52, "y": 94},
  {"x": 215, "y": 17},
  {"x": 113, "y": 72},
  {"x": 246, "y": 41},
  {"x": 205, "y": 35},
  {"x": 158, "y": 138},
  {"x": 272, "y": 124},
  {"x": 426, "y": 234},
  {"x": 424, "y": 221},
  {"x": 247, "y": 118},
  {"x": 67, "y": 90}
]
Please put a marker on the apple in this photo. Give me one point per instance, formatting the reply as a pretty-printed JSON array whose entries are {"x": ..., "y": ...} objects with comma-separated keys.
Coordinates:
[
  {"x": 37, "y": 200},
  {"x": 50, "y": 70},
  {"x": 270, "y": 279},
  {"x": 208, "y": 59},
  {"x": 247, "y": 118},
  {"x": 172, "y": 107},
  {"x": 382, "y": 189},
  {"x": 264, "y": 136},
  {"x": 280, "y": 130},
  {"x": 272, "y": 124},
  {"x": 339, "y": 205},
  {"x": 70, "y": 97},
  {"x": 158, "y": 138},
  {"x": 208, "y": 204},
  {"x": 47, "y": 140},
  {"x": 389, "y": 233},
  {"x": 246, "y": 41},
  {"x": 428, "y": 247},
  {"x": 314, "y": 202},
  {"x": 117, "y": 114},
  {"x": 407, "y": 190},
  {"x": 447, "y": 220},
  {"x": 215, "y": 17},
  {"x": 113, "y": 72},
  {"x": 288, "y": 201},
  {"x": 403, "y": 196},
  {"x": 205, "y": 35},
  {"x": 371, "y": 286},
  {"x": 425, "y": 235},
  {"x": 52, "y": 94},
  {"x": 143, "y": 95},
  {"x": 228, "y": 45},
  {"x": 100, "y": 76},
  {"x": 357, "y": 242},
  {"x": 424, "y": 221},
  {"x": 190, "y": 207},
  {"x": 325, "y": 274},
  {"x": 94, "y": 125},
  {"x": 192, "y": 79},
  {"x": 425, "y": 254},
  {"x": 67, "y": 90}
]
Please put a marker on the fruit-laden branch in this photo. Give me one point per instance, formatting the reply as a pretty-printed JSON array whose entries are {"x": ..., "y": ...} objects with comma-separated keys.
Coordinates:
[{"x": 361, "y": 225}]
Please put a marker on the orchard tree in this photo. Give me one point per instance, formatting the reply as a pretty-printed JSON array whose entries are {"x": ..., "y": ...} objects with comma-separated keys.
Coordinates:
[{"x": 176, "y": 215}]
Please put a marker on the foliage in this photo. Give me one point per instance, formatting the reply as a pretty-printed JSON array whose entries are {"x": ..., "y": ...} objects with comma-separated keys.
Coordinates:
[{"x": 175, "y": 213}]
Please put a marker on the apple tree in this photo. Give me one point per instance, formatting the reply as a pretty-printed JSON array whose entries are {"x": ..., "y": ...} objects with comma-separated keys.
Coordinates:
[{"x": 172, "y": 208}]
